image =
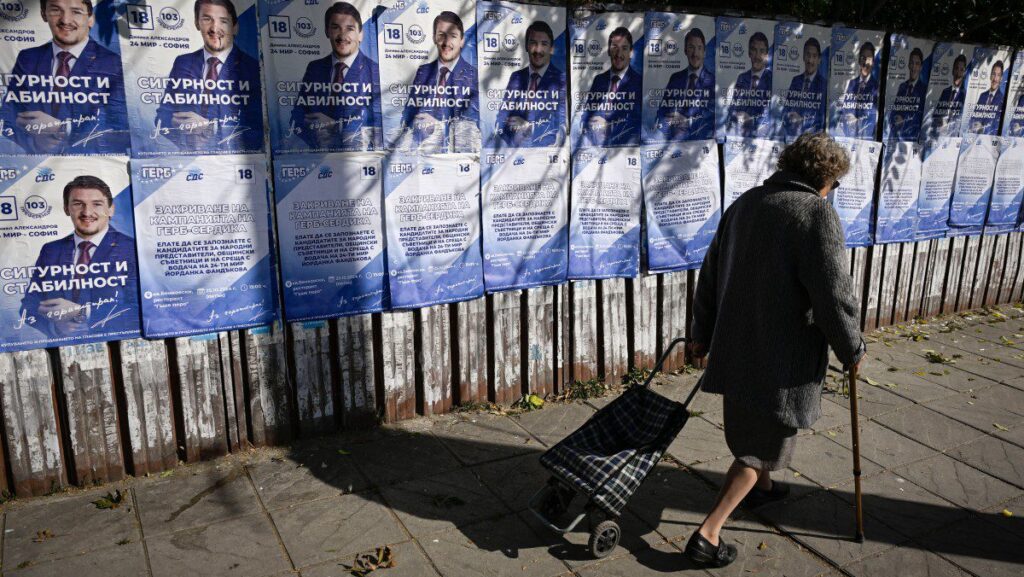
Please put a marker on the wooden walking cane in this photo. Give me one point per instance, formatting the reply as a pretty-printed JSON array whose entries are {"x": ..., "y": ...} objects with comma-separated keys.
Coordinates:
[{"x": 859, "y": 536}]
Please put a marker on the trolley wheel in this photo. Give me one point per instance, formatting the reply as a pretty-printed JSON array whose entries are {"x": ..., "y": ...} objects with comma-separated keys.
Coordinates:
[{"x": 604, "y": 538}]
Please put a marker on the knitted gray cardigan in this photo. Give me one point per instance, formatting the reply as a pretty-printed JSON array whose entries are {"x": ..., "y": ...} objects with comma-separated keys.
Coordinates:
[{"x": 774, "y": 291}]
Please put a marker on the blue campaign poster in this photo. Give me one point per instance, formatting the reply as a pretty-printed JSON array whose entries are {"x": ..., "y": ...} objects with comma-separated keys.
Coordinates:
[
  {"x": 854, "y": 199},
  {"x": 1013, "y": 117},
  {"x": 897, "y": 195},
  {"x": 432, "y": 207},
  {"x": 68, "y": 269},
  {"x": 205, "y": 259},
  {"x": 748, "y": 163},
  {"x": 683, "y": 203},
  {"x": 906, "y": 87},
  {"x": 986, "y": 90},
  {"x": 947, "y": 91},
  {"x": 330, "y": 226},
  {"x": 679, "y": 78},
  {"x": 937, "y": 172},
  {"x": 525, "y": 216},
  {"x": 743, "y": 81},
  {"x": 63, "y": 86},
  {"x": 192, "y": 77},
  {"x": 1007, "y": 187},
  {"x": 972, "y": 186},
  {"x": 323, "y": 80},
  {"x": 854, "y": 82},
  {"x": 800, "y": 79}
]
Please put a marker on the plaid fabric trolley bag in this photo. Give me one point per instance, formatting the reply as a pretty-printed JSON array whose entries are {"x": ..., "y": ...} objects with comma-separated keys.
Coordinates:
[{"x": 607, "y": 459}]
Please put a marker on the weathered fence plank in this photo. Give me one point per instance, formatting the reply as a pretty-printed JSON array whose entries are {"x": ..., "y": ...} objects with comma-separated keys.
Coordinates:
[
  {"x": 399, "y": 362},
  {"x": 887, "y": 284},
  {"x": 584, "y": 339},
  {"x": 940, "y": 257},
  {"x": 541, "y": 333},
  {"x": 1013, "y": 257},
  {"x": 435, "y": 359},
  {"x": 471, "y": 369},
  {"x": 92, "y": 414},
  {"x": 614, "y": 330},
  {"x": 674, "y": 305},
  {"x": 150, "y": 406},
  {"x": 996, "y": 270},
  {"x": 234, "y": 404},
  {"x": 954, "y": 269},
  {"x": 311, "y": 351},
  {"x": 269, "y": 392},
  {"x": 506, "y": 312},
  {"x": 645, "y": 320},
  {"x": 30, "y": 423},
  {"x": 858, "y": 264},
  {"x": 972, "y": 250},
  {"x": 871, "y": 288},
  {"x": 919, "y": 279},
  {"x": 355, "y": 359},
  {"x": 202, "y": 397}
]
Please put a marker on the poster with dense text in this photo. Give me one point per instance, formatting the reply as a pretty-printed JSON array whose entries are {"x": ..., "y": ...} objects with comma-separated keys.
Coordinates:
[
  {"x": 748, "y": 163},
  {"x": 972, "y": 186},
  {"x": 854, "y": 199},
  {"x": 938, "y": 168},
  {"x": 897, "y": 194},
  {"x": 1007, "y": 187}
]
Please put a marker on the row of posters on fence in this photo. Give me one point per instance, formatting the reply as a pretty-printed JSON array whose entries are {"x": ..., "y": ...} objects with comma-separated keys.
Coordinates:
[{"x": 421, "y": 151}]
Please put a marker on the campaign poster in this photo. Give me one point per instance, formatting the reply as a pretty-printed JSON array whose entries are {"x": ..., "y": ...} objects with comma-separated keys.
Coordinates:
[
  {"x": 679, "y": 78},
  {"x": 947, "y": 90},
  {"x": 429, "y": 93},
  {"x": 525, "y": 215},
  {"x": 432, "y": 215},
  {"x": 604, "y": 220},
  {"x": 743, "y": 78},
  {"x": 63, "y": 88},
  {"x": 682, "y": 203},
  {"x": 854, "y": 82},
  {"x": 205, "y": 258},
  {"x": 800, "y": 83},
  {"x": 897, "y": 195},
  {"x": 906, "y": 87},
  {"x": 853, "y": 199},
  {"x": 748, "y": 163},
  {"x": 323, "y": 81},
  {"x": 986, "y": 90},
  {"x": 938, "y": 168},
  {"x": 522, "y": 77},
  {"x": 607, "y": 60},
  {"x": 972, "y": 186},
  {"x": 1013, "y": 117},
  {"x": 330, "y": 226},
  {"x": 69, "y": 271},
  {"x": 192, "y": 77},
  {"x": 1008, "y": 186}
]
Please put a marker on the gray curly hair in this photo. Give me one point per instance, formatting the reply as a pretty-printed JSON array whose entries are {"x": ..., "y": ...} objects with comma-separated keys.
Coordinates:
[{"x": 816, "y": 159}]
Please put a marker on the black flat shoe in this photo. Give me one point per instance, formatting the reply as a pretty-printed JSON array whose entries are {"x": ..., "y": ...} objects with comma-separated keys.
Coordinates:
[
  {"x": 703, "y": 553},
  {"x": 757, "y": 497}
]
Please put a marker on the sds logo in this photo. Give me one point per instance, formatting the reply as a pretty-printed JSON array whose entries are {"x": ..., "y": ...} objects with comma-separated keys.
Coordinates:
[
  {"x": 194, "y": 175},
  {"x": 45, "y": 175}
]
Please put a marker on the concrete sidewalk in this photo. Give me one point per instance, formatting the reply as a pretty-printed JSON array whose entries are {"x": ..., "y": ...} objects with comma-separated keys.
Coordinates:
[{"x": 942, "y": 407}]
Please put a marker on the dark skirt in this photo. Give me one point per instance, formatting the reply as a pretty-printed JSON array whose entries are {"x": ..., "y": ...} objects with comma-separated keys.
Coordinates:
[{"x": 757, "y": 439}]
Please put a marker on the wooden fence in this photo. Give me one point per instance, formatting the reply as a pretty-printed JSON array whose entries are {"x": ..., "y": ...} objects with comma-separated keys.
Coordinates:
[{"x": 95, "y": 413}]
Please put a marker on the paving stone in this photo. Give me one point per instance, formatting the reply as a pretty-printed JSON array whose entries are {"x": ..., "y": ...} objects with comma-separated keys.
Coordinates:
[
  {"x": 984, "y": 408},
  {"x": 402, "y": 458},
  {"x": 129, "y": 559},
  {"x": 480, "y": 437},
  {"x": 978, "y": 547},
  {"x": 930, "y": 428},
  {"x": 902, "y": 505},
  {"x": 331, "y": 528},
  {"x": 911, "y": 384},
  {"x": 1013, "y": 523},
  {"x": 709, "y": 407},
  {"x": 826, "y": 462},
  {"x": 442, "y": 502},
  {"x": 911, "y": 561},
  {"x": 952, "y": 377},
  {"x": 833, "y": 415},
  {"x": 1014, "y": 435},
  {"x": 242, "y": 546},
  {"x": 957, "y": 482},
  {"x": 499, "y": 548},
  {"x": 556, "y": 422},
  {"x": 699, "y": 441},
  {"x": 983, "y": 348},
  {"x": 514, "y": 480},
  {"x": 764, "y": 552},
  {"x": 825, "y": 523},
  {"x": 76, "y": 526},
  {"x": 997, "y": 332},
  {"x": 673, "y": 501},
  {"x": 656, "y": 561},
  {"x": 995, "y": 457},
  {"x": 884, "y": 446},
  {"x": 409, "y": 562},
  {"x": 186, "y": 500},
  {"x": 309, "y": 473},
  {"x": 969, "y": 360},
  {"x": 872, "y": 400}
]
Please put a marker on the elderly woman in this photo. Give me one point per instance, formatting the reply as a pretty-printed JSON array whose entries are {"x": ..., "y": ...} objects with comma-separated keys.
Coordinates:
[{"x": 774, "y": 293}]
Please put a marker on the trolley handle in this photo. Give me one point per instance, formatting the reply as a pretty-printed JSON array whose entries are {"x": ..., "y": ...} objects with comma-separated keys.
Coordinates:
[{"x": 661, "y": 361}]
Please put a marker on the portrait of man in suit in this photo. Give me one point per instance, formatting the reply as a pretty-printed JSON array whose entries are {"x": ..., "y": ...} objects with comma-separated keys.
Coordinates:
[
  {"x": 83, "y": 110},
  {"x": 905, "y": 115},
  {"x": 687, "y": 109},
  {"x": 753, "y": 89},
  {"x": 861, "y": 96},
  {"x": 443, "y": 107},
  {"x": 804, "y": 109},
  {"x": 222, "y": 108},
  {"x": 985, "y": 119},
  {"x": 89, "y": 293},
  {"x": 611, "y": 113},
  {"x": 1017, "y": 118},
  {"x": 533, "y": 113},
  {"x": 336, "y": 107},
  {"x": 946, "y": 116}
]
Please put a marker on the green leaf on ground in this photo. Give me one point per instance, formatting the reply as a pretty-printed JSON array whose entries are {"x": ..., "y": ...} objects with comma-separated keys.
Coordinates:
[
  {"x": 44, "y": 535},
  {"x": 1000, "y": 427},
  {"x": 110, "y": 500},
  {"x": 344, "y": 452}
]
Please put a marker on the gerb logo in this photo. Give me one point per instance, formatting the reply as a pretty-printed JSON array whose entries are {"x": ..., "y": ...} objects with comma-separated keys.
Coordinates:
[
  {"x": 495, "y": 158},
  {"x": 45, "y": 175},
  {"x": 156, "y": 172},
  {"x": 8, "y": 174},
  {"x": 725, "y": 25},
  {"x": 13, "y": 11},
  {"x": 36, "y": 206},
  {"x": 492, "y": 16},
  {"x": 519, "y": 161},
  {"x": 325, "y": 172},
  {"x": 289, "y": 172},
  {"x": 170, "y": 19},
  {"x": 401, "y": 168},
  {"x": 194, "y": 175}
]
